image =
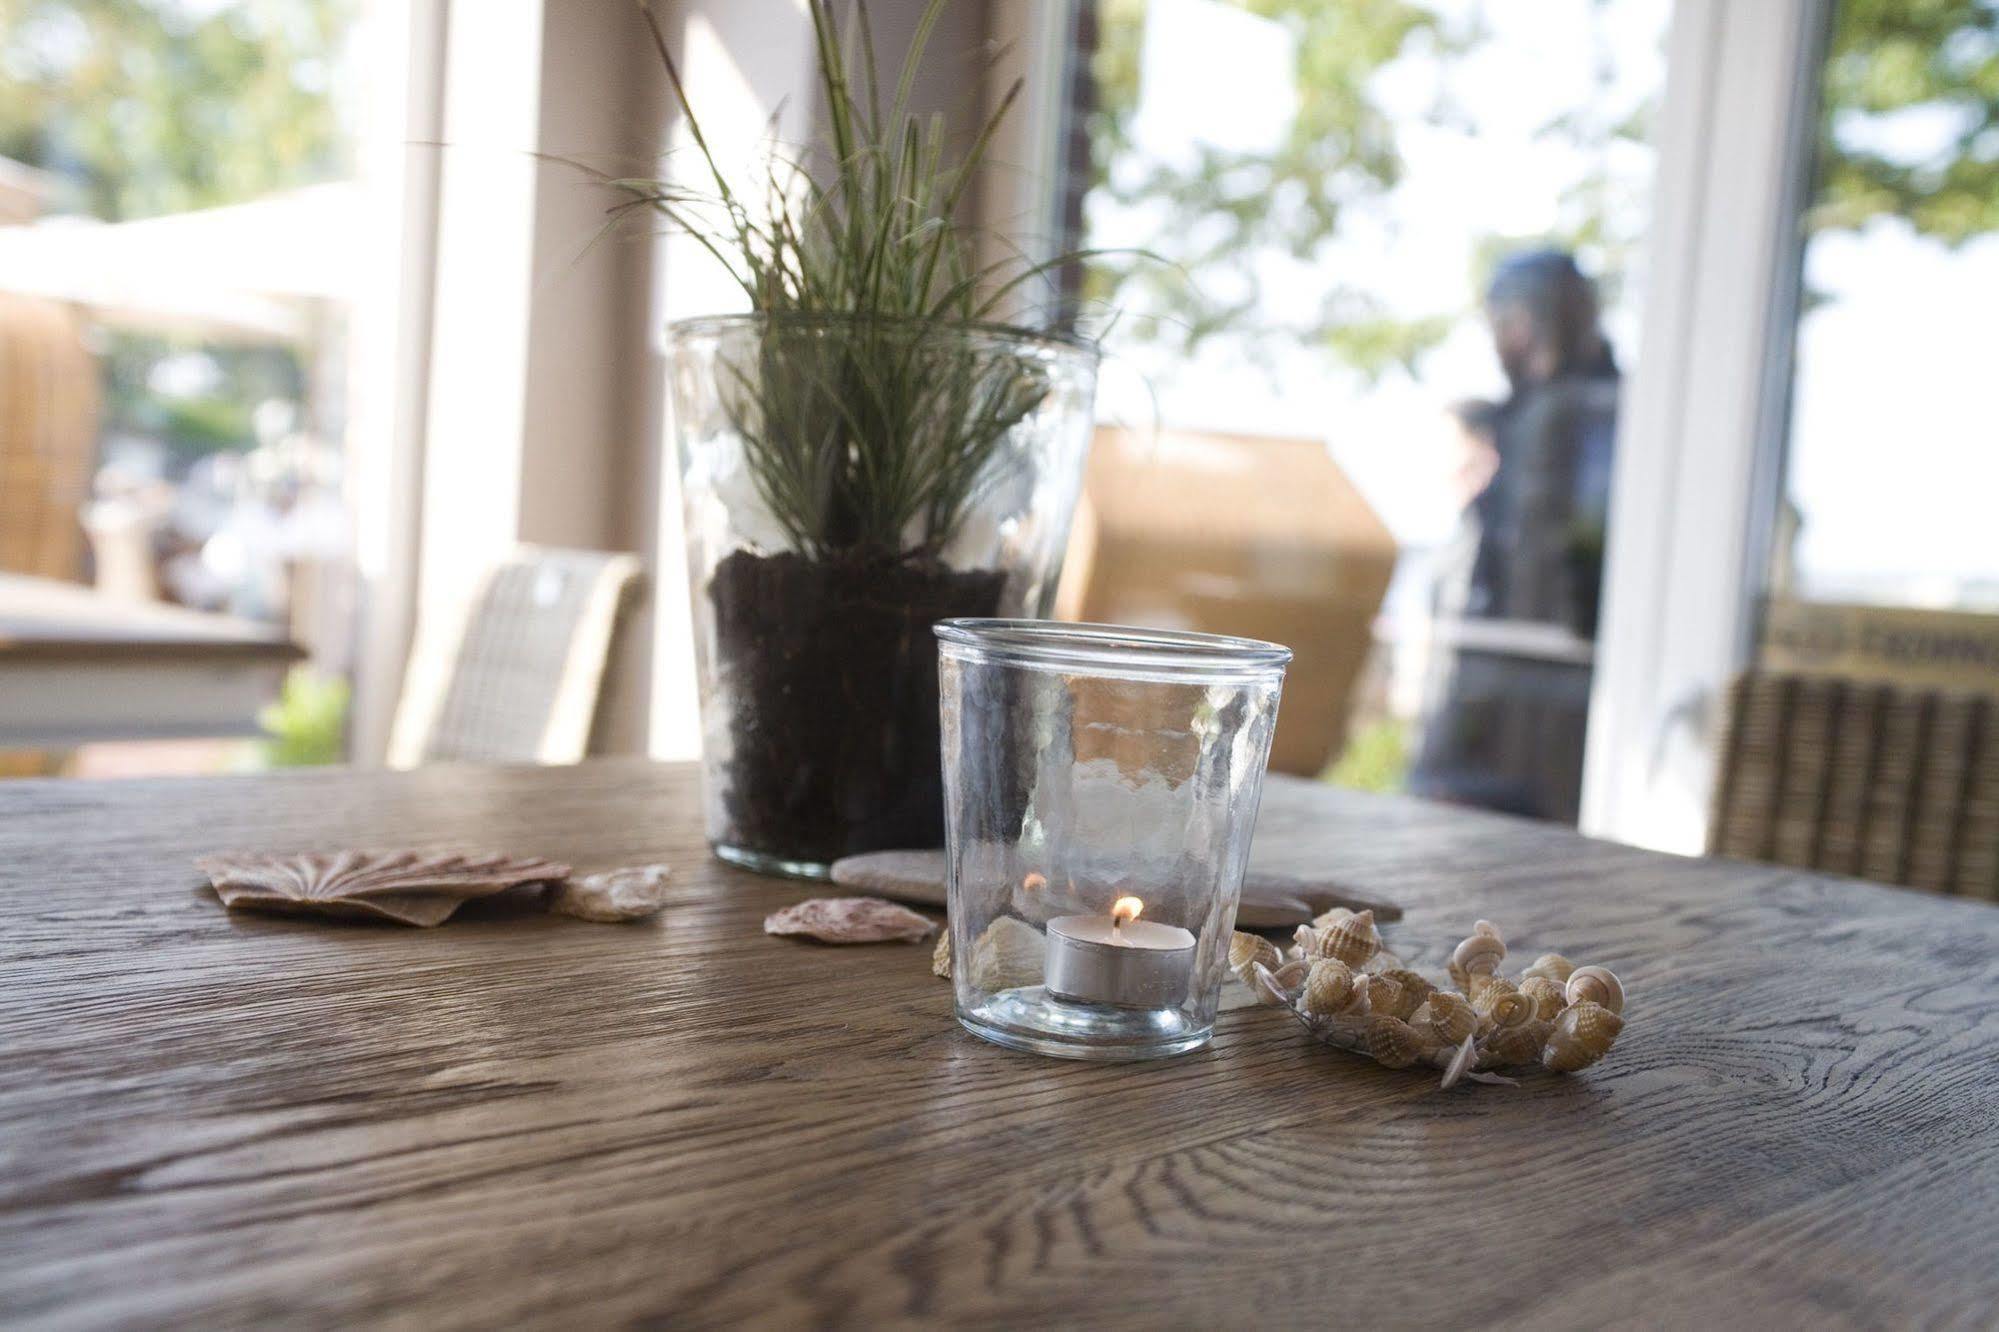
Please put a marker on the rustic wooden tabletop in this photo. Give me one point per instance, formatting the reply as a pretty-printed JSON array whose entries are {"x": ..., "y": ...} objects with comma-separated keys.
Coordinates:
[{"x": 515, "y": 1118}]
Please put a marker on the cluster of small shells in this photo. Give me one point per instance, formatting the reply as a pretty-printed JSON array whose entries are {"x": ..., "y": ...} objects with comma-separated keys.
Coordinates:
[{"x": 1350, "y": 991}]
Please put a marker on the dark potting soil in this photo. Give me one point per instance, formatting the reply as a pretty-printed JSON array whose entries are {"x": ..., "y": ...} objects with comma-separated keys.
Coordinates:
[{"x": 832, "y": 670}]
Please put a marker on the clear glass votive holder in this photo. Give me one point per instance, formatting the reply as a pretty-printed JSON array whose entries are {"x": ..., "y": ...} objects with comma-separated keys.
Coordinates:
[{"x": 1100, "y": 792}]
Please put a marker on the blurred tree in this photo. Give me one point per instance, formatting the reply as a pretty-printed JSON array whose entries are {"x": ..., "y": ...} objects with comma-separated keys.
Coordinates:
[
  {"x": 1893, "y": 59},
  {"x": 158, "y": 106},
  {"x": 1219, "y": 215}
]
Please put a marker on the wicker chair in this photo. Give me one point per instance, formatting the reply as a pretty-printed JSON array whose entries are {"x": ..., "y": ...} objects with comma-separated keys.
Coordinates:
[
  {"x": 1884, "y": 782},
  {"x": 48, "y": 436},
  {"x": 516, "y": 679}
]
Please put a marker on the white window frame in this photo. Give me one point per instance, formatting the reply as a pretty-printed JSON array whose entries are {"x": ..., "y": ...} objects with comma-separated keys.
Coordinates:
[{"x": 1700, "y": 449}]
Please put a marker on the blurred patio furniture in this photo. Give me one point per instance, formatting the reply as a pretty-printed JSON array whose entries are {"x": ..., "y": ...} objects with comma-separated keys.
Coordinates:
[
  {"x": 48, "y": 436},
  {"x": 516, "y": 677},
  {"x": 77, "y": 666},
  {"x": 1864, "y": 777},
  {"x": 1234, "y": 534}
]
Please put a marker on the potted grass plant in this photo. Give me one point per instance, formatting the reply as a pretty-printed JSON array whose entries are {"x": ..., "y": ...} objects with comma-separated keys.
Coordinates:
[{"x": 862, "y": 453}]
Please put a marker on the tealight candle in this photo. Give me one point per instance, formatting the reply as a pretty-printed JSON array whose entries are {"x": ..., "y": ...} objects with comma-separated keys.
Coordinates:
[{"x": 1118, "y": 959}]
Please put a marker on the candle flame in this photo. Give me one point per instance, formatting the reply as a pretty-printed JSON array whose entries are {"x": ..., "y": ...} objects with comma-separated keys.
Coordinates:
[
  {"x": 1126, "y": 909},
  {"x": 1035, "y": 881}
]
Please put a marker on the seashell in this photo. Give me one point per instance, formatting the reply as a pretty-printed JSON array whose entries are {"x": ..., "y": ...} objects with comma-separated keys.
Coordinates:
[
  {"x": 1501, "y": 1005},
  {"x": 1452, "y": 1019},
  {"x": 1328, "y": 987},
  {"x": 1353, "y": 940},
  {"x": 408, "y": 887},
  {"x": 1275, "y": 987},
  {"x": 1008, "y": 954},
  {"x": 1327, "y": 919},
  {"x": 1516, "y": 1045},
  {"x": 940, "y": 956},
  {"x": 1551, "y": 965},
  {"x": 1489, "y": 930},
  {"x": 1393, "y": 997},
  {"x": 615, "y": 897},
  {"x": 1546, "y": 995},
  {"x": 1478, "y": 954},
  {"x": 1304, "y": 940},
  {"x": 1247, "y": 948},
  {"x": 1381, "y": 962},
  {"x": 1393, "y": 1043},
  {"x": 1582, "y": 1035},
  {"x": 1413, "y": 981},
  {"x": 846, "y": 920},
  {"x": 1597, "y": 985}
]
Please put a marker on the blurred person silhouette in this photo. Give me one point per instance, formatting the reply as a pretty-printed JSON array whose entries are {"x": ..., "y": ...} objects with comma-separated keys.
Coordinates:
[{"x": 1503, "y": 725}]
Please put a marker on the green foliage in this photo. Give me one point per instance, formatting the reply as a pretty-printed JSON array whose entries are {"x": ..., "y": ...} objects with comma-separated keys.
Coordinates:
[
  {"x": 307, "y": 726},
  {"x": 873, "y": 435},
  {"x": 152, "y": 106},
  {"x": 1376, "y": 757},
  {"x": 1339, "y": 154},
  {"x": 1886, "y": 58}
]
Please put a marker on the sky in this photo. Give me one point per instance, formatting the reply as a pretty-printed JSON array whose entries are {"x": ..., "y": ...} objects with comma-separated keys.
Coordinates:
[{"x": 1892, "y": 463}]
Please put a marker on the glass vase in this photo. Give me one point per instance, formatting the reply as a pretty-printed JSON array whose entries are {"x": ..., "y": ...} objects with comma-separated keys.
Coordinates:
[
  {"x": 847, "y": 483},
  {"x": 1101, "y": 786}
]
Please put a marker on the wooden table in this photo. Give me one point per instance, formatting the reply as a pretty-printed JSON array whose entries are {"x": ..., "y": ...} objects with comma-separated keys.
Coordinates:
[
  {"x": 76, "y": 666},
  {"x": 519, "y": 1119}
]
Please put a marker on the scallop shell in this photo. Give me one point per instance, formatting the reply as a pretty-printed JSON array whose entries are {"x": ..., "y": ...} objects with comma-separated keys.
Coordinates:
[
  {"x": 848, "y": 920},
  {"x": 1516, "y": 1045},
  {"x": 1582, "y": 1035},
  {"x": 1245, "y": 949},
  {"x": 408, "y": 887},
  {"x": 1546, "y": 995},
  {"x": 1597, "y": 985},
  {"x": 1478, "y": 954},
  {"x": 1393, "y": 1043},
  {"x": 1451, "y": 1017},
  {"x": 1353, "y": 940},
  {"x": 615, "y": 897},
  {"x": 1551, "y": 965},
  {"x": 1008, "y": 954},
  {"x": 1501, "y": 1005},
  {"x": 1328, "y": 987}
]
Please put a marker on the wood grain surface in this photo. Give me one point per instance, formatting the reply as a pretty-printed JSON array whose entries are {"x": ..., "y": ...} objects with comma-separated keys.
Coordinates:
[{"x": 211, "y": 1119}]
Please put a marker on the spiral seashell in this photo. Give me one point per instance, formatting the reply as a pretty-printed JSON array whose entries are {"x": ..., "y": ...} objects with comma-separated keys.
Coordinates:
[
  {"x": 1551, "y": 965},
  {"x": 1479, "y": 954},
  {"x": 1331, "y": 917},
  {"x": 1597, "y": 985},
  {"x": 1393, "y": 1043},
  {"x": 1546, "y": 995},
  {"x": 1413, "y": 981},
  {"x": 1489, "y": 930},
  {"x": 1328, "y": 987},
  {"x": 1390, "y": 999},
  {"x": 1501, "y": 1005},
  {"x": 1305, "y": 940},
  {"x": 1582, "y": 1035},
  {"x": 1246, "y": 949},
  {"x": 1352, "y": 941},
  {"x": 1451, "y": 1017},
  {"x": 1516, "y": 1045},
  {"x": 1274, "y": 985}
]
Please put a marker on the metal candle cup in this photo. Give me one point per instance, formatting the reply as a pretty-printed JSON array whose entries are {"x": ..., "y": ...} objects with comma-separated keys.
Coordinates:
[{"x": 1124, "y": 963}]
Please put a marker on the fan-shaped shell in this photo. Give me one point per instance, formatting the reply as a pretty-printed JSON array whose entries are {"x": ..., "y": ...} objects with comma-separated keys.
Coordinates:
[
  {"x": 1547, "y": 997},
  {"x": 409, "y": 887},
  {"x": 1328, "y": 987},
  {"x": 1451, "y": 1017},
  {"x": 1551, "y": 965},
  {"x": 1353, "y": 940},
  {"x": 1392, "y": 1042},
  {"x": 850, "y": 920},
  {"x": 1501, "y": 1005},
  {"x": 1597, "y": 985},
  {"x": 1582, "y": 1035},
  {"x": 1246, "y": 949}
]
